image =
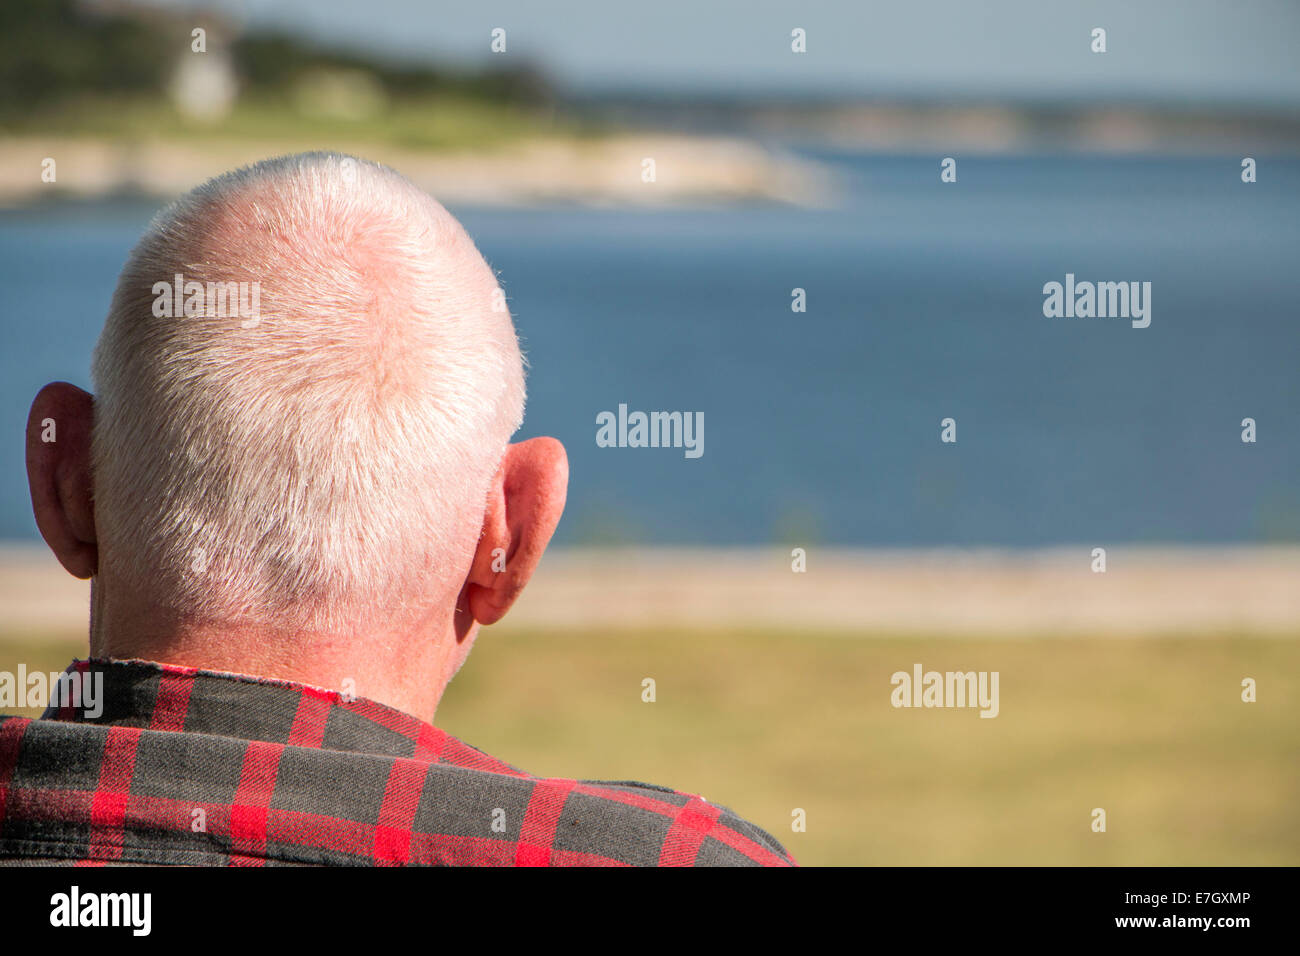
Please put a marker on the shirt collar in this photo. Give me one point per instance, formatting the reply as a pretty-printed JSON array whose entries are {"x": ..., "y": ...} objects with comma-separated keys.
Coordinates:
[{"x": 166, "y": 697}]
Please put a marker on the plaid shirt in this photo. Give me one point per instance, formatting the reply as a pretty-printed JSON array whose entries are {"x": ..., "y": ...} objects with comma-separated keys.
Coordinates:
[{"x": 193, "y": 767}]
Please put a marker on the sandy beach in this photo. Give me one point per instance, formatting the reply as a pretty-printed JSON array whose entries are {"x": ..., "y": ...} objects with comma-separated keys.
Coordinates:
[
  {"x": 595, "y": 172},
  {"x": 1149, "y": 591}
]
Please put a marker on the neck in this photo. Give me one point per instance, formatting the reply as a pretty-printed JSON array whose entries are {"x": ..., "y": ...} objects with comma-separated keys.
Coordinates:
[{"x": 408, "y": 671}]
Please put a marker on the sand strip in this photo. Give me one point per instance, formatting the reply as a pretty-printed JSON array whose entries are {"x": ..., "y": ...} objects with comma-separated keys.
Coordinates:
[{"x": 1047, "y": 593}]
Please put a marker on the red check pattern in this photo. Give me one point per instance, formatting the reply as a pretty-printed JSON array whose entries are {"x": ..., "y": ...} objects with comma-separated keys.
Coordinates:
[{"x": 172, "y": 765}]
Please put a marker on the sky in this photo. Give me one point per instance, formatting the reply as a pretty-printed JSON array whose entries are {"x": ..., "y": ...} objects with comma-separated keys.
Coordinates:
[{"x": 1240, "y": 52}]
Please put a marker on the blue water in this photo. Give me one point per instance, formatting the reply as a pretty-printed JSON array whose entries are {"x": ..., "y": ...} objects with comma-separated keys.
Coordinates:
[{"x": 924, "y": 302}]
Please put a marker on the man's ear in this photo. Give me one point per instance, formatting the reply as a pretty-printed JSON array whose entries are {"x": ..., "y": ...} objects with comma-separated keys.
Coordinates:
[
  {"x": 523, "y": 508},
  {"x": 59, "y": 474}
]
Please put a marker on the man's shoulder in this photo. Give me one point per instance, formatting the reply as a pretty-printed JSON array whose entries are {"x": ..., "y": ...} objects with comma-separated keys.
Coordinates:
[
  {"x": 685, "y": 829},
  {"x": 249, "y": 800}
]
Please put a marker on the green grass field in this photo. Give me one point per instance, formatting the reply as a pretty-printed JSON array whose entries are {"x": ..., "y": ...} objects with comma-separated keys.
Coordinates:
[
  {"x": 1153, "y": 730},
  {"x": 444, "y": 122}
]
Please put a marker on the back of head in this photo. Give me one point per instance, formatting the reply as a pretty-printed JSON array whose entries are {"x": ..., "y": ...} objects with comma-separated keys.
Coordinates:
[{"x": 304, "y": 386}]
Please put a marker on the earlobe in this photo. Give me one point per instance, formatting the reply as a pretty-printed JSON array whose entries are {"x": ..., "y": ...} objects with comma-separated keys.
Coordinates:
[
  {"x": 59, "y": 475},
  {"x": 523, "y": 510}
]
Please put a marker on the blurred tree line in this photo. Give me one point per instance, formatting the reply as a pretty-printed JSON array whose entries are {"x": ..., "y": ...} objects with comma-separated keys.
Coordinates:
[{"x": 56, "y": 51}]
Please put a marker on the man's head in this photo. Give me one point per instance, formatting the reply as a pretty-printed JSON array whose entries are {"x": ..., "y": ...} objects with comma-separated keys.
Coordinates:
[{"x": 305, "y": 390}]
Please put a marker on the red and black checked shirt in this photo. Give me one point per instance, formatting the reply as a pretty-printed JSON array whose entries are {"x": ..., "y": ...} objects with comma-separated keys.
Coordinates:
[{"x": 193, "y": 767}]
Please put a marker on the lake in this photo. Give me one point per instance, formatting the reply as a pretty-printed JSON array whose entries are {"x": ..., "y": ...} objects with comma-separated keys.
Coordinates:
[{"x": 924, "y": 302}]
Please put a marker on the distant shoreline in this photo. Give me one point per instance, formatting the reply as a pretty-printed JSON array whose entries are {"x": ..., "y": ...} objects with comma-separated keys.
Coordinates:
[
  {"x": 607, "y": 170},
  {"x": 1146, "y": 591}
]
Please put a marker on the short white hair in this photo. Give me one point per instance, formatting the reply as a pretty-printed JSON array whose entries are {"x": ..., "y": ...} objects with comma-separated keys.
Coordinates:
[{"x": 323, "y": 467}]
